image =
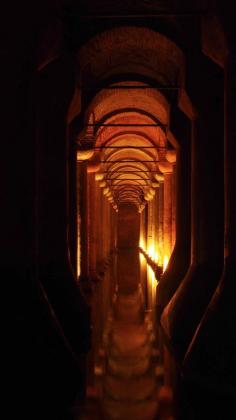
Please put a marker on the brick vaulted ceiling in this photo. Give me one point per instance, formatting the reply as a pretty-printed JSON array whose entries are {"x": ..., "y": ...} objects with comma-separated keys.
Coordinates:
[{"x": 128, "y": 120}]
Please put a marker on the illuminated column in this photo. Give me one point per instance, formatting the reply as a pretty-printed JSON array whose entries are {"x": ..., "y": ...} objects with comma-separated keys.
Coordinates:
[
  {"x": 167, "y": 225},
  {"x": 114, "y": 226},
  {"x": 173, "y": 237},
  {"x": 142, "y": 240},
  {"x": 180, "y": 257},
  {"x": 166, "y": 169},
  {"x": 160, "y": 217},
  {"x": 99, "y": 225},
  {"x": 83, "y": 168},
  {"x": 150, "y": 245},
  {"x": 171, "y": 157},
  {"x": 92, "y": 223},
  {"x": 107, "y": 224},
  {"x": 93, "y": 213},
  {"x": 105, "y": 227},
  {"x": 156, "y": 226},
  {"x": 150, "y": 251},
  {"x": 83, "y": 210}
]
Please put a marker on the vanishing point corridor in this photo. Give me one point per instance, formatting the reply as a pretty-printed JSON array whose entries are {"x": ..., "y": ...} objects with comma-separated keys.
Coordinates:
[
  {"x": 118, "y": 244},
  {"x": 129, "y": 372}
]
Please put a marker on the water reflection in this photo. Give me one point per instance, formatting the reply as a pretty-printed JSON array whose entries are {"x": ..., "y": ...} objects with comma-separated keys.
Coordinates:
[{"x": 129, "y": 387}]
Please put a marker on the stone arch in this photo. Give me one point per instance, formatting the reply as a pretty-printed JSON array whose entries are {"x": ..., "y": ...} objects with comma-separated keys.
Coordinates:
[{"x": 130, "y": 49}]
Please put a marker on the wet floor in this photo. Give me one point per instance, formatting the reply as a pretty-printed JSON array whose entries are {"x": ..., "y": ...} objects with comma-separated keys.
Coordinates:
[
  {"x": 129, "y": 382},
  {"x": 129, "y": 373}
]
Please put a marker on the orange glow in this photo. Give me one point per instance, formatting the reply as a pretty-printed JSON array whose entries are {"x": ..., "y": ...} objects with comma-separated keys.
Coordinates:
[
  {"x": 152, "y": 284},
  {"x": 99, "y": 176},
  {"x": 85, "y": 154},
  {"x": 141, "y": 242},
  {"x": 151, "y": 276},
  {"x": 151, "y": 251},
  {"x": 165, "y": 262},
  {"x": 141, "y": 259},
  {"x": 106, "y": 191},
  {"x": 78, "y": 259},
  {"x": 156, "y": 257}
]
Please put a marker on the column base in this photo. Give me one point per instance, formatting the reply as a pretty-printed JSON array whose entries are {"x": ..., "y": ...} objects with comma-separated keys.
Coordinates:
[
  {"x": 171, "y": 279},
  {"x": 183, "y": 313},
  {"x": 210, "y": 362}
]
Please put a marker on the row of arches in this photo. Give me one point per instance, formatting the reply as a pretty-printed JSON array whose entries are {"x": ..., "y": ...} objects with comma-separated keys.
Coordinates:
[{"x": 98, "y": 124}]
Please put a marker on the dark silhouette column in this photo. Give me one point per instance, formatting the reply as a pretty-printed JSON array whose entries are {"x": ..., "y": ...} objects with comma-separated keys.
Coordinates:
[
  {"x": 84, "y": 214},
  {"x": 183, "y": 313},
  {"x": 172, "y": 159},
  {"x": 55, "y": 90},
  {"x": 180, "y": 258},
  {"x": 210, "y": 363}
]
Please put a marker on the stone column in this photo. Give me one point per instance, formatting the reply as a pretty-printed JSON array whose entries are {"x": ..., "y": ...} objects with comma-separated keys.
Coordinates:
[
  {"x": 166, "y": 169},
  {"x": 150, "y": 251},
  {"x": 171, "y": 157},
  {"x": 210, "y": 361},
  {"x": 156, "y": 222},
  {"x": 160, "y": 218},
  {"x": 84, "y": 215},
  {"x": 142, "y": 241},
  {"x": 93, "y": 216},
  {"x": 183, "y": 313},
  {"x": 54, "y": 269},
  {"x": 150, "y": 239},
  {"x": 180, "y": 258}
]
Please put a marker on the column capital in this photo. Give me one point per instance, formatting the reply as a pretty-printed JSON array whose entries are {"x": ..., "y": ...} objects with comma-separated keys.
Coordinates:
[
  {"x": 159, "y": 177},
  {"x": 83, "y": 155},
  {"x": 165, "y": 167},
  {"x": 171, "y": 156},
  {"x": 93, "y": 167}
]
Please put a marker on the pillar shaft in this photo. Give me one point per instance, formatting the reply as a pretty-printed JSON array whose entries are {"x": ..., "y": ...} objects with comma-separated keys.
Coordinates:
[
  {"x": 92, "y": 223},
  {"x": 167, "y": 216},
  {"x": 173, "y": 210},
  {"x": 216, "y": 332},
  {"x": 56, "y": 86},
  {"x": 72, "y": 203},
  {"x": 180, "y": 258},
  {"x": 84, "y": 223},
  {"x": 150, "y": 242},
  {"x": 230, "y": 162},
  {"x": 197, "y": 287},
  {"x": 160, "y": 220}
]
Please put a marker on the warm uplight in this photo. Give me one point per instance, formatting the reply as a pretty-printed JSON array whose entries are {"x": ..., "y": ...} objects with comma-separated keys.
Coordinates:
[
  {"x": 151, "y": 276},
  {"x": 151, "y": 252},
  {"x": 141, "y": 243},
  {"x": 102, "y": 184},
  {"x": 85, "y": 154},
  {"x": 78, "y": 259},
  {"x": 156, "y": 257},
  {"x": 152, "y": 284},
  {"x": 141, "y": 259},
  {"x": 165, "y": 262},
  {"x": 99, "y": 176}
]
